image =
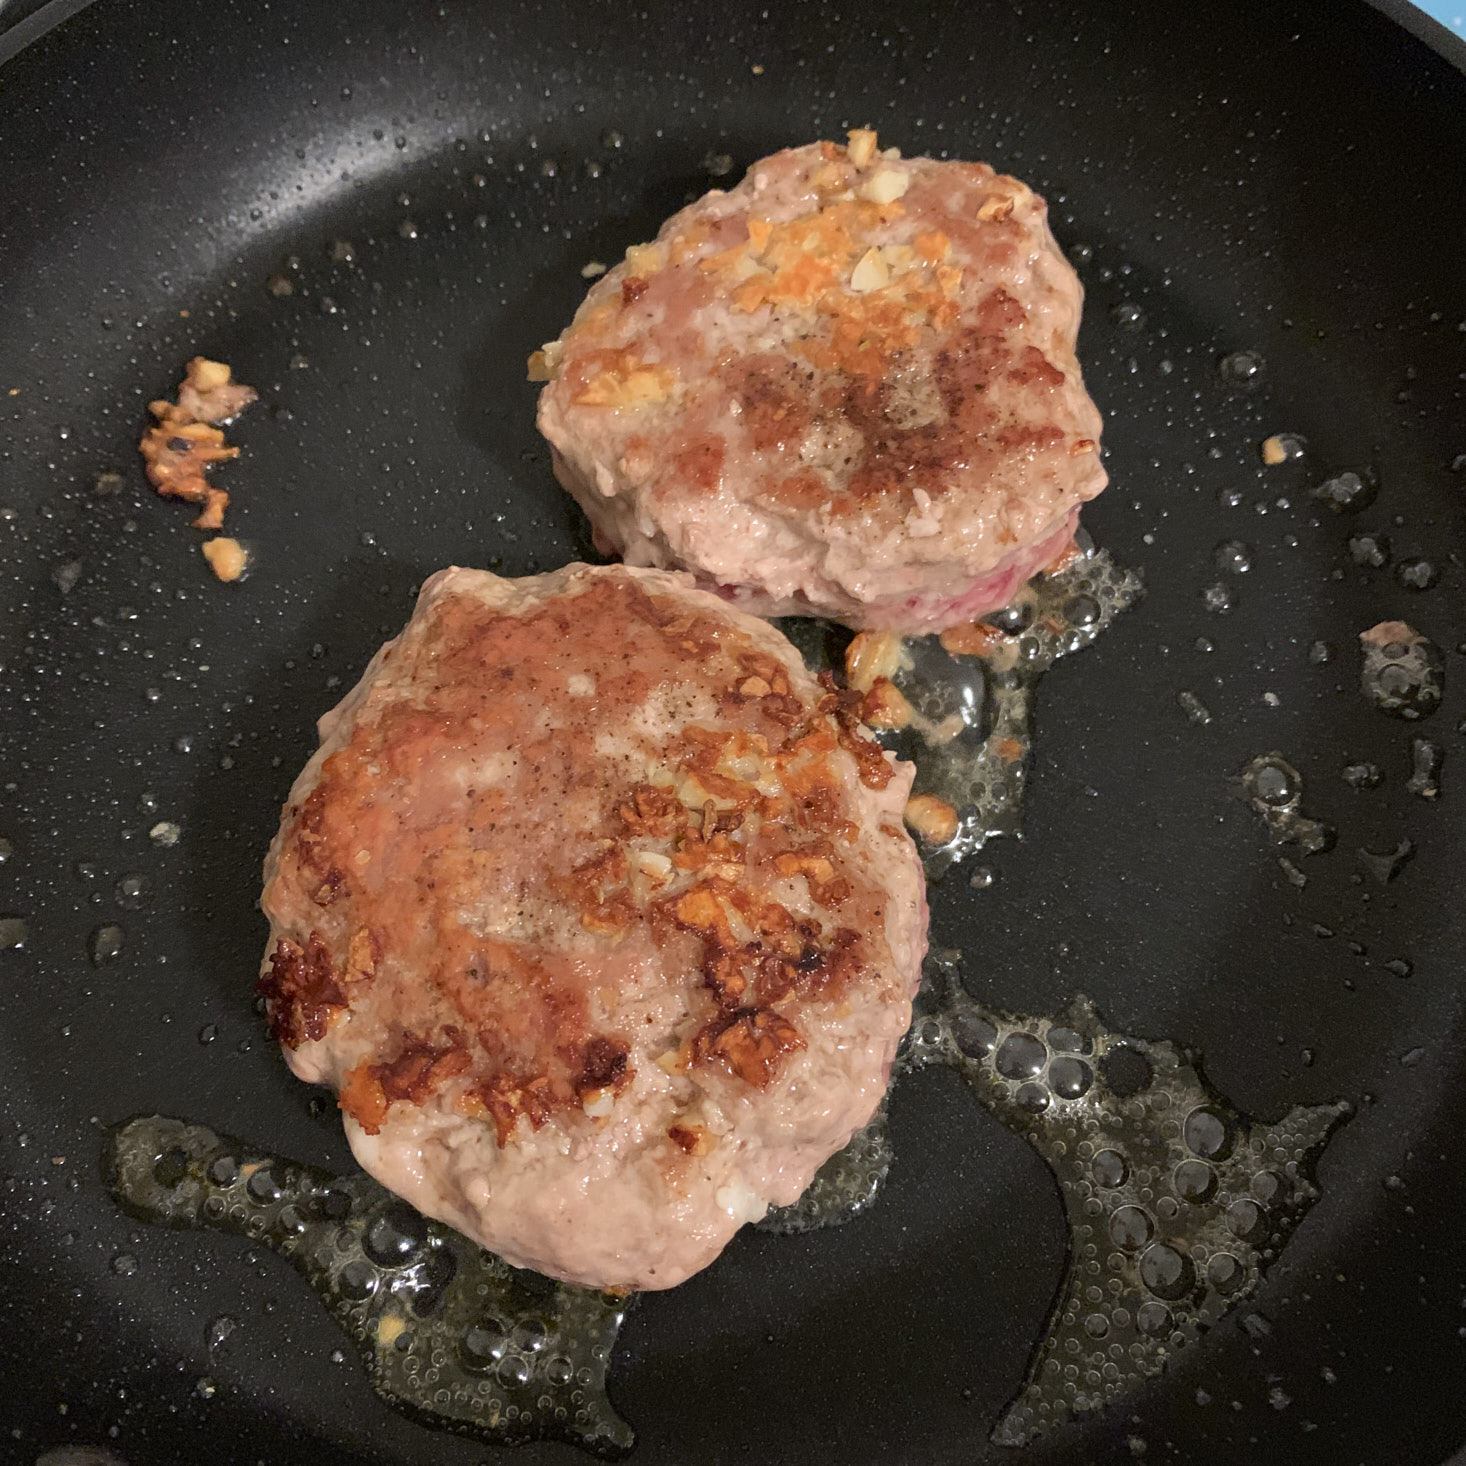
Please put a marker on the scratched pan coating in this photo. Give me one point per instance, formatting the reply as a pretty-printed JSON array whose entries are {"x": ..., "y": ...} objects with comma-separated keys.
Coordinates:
[{"x": 1251, "y": 178}]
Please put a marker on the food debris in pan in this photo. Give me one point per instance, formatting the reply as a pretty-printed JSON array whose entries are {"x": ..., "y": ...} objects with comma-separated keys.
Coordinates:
[
  {"x": 449, "y": 1333},
  {"x": 186, "y": 440},
  {"x": 1403, "y": 672},
  {"x": 1282, "y": 448},
  {"x": 227, "y": 558}
]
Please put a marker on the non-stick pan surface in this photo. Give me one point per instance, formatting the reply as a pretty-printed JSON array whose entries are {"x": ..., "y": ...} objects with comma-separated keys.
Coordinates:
[{"x": 1285, "y": 179}]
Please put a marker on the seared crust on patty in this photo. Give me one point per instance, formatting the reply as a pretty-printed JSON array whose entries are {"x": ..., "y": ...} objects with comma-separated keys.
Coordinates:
[
  {"x": 597, "y": 911},
  {"x": 845, "y": 388}
]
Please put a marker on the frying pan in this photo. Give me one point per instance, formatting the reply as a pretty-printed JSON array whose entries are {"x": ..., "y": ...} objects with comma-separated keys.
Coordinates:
[{"x": 1284, "y": 179}]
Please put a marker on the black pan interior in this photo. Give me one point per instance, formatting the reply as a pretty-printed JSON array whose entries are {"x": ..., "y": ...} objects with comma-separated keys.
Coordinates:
[{"x": 1285, "y": 179}]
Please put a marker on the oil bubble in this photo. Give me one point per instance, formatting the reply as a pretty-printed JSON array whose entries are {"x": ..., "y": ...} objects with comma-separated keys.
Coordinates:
[
  {"x": 1196, "y": 711},
  {"x": 1082, "y": 610},
  {"x": 1417, "y": 574},
  {"x": 1207, "y": 1134},
  {"x": 1153, "y": 1318},
  {"x": 263, "y": 1186},
  {"x": 482, "y": 1346},
  {"x": 1232, "y": 557},
  {"x": 105, "y": 945},
  {"x": 172, "y": 1168},
  {"x": 1068, "y": 1041},
  {"x": 1274, "y": 789},
  {"x": 1166, "y": 1272},
  {"x": 395, "y": 1234},
  {"x": 1385, "y": 865},
  {"x": 1225, "y": 1273},
  {"x": 1109, "y": 1168},
  {"x": 1069, "y": 1078},
  {"x": 357, "y": 1280},
  {"x": 975, "y": 1036},
  {"x": 1247, "y": 1220},
  {"x": 1021, "y": 1056},
  {"x": 1130, "y": 1228},
  {"x": 1242, "y": 368},
  {"x": 1369, "y": 549},
  {"x": 1426, "y": 760},
  {"x": 131, "y": 891},
  {"x": 1195, "y": 1181},
  {"x": 1347, "y": 492}
]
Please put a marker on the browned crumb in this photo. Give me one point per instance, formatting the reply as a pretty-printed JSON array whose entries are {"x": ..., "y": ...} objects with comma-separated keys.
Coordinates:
[
  {"x": 971, "y": 641},
  {"x": 862, "y": 145},
  {"x": 1273, "y": 451},
  {"x": 870, "y": 656},
  {"x": 1386, "y": 632},
  {"x": 209, "y": 394},
  {"x": 933, "y": 819},
  {"x": 227, "y": 558},
  {"x": 693, "y": 1139},
  {"x": 885, "y": 706},
  {"x": 185, "y": 440}
]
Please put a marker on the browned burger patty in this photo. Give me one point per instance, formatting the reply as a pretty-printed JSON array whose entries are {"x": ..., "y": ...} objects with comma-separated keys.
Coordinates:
[
  {"x": 846, "y": 388},
  {"x": 597, "y": 911}
]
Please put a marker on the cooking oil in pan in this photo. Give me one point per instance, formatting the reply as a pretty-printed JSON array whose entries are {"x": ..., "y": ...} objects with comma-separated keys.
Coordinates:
[
  {"x": 449, "y": 1333},
  {"x": 972, "y": 724},
  {"x": 1274, "y": 789},
  {"x": 1175, "y": 1202}
]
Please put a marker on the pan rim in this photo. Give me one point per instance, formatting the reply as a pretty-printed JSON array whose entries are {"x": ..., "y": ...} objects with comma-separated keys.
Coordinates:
[
  {"x": 1450, "y": 47},
  {"x": 1441, "y": 39}
]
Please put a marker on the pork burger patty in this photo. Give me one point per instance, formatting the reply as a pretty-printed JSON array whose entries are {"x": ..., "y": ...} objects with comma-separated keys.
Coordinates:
[
  {"x": 846, "y": 388},
  {"x": 597, "y": 911}
]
